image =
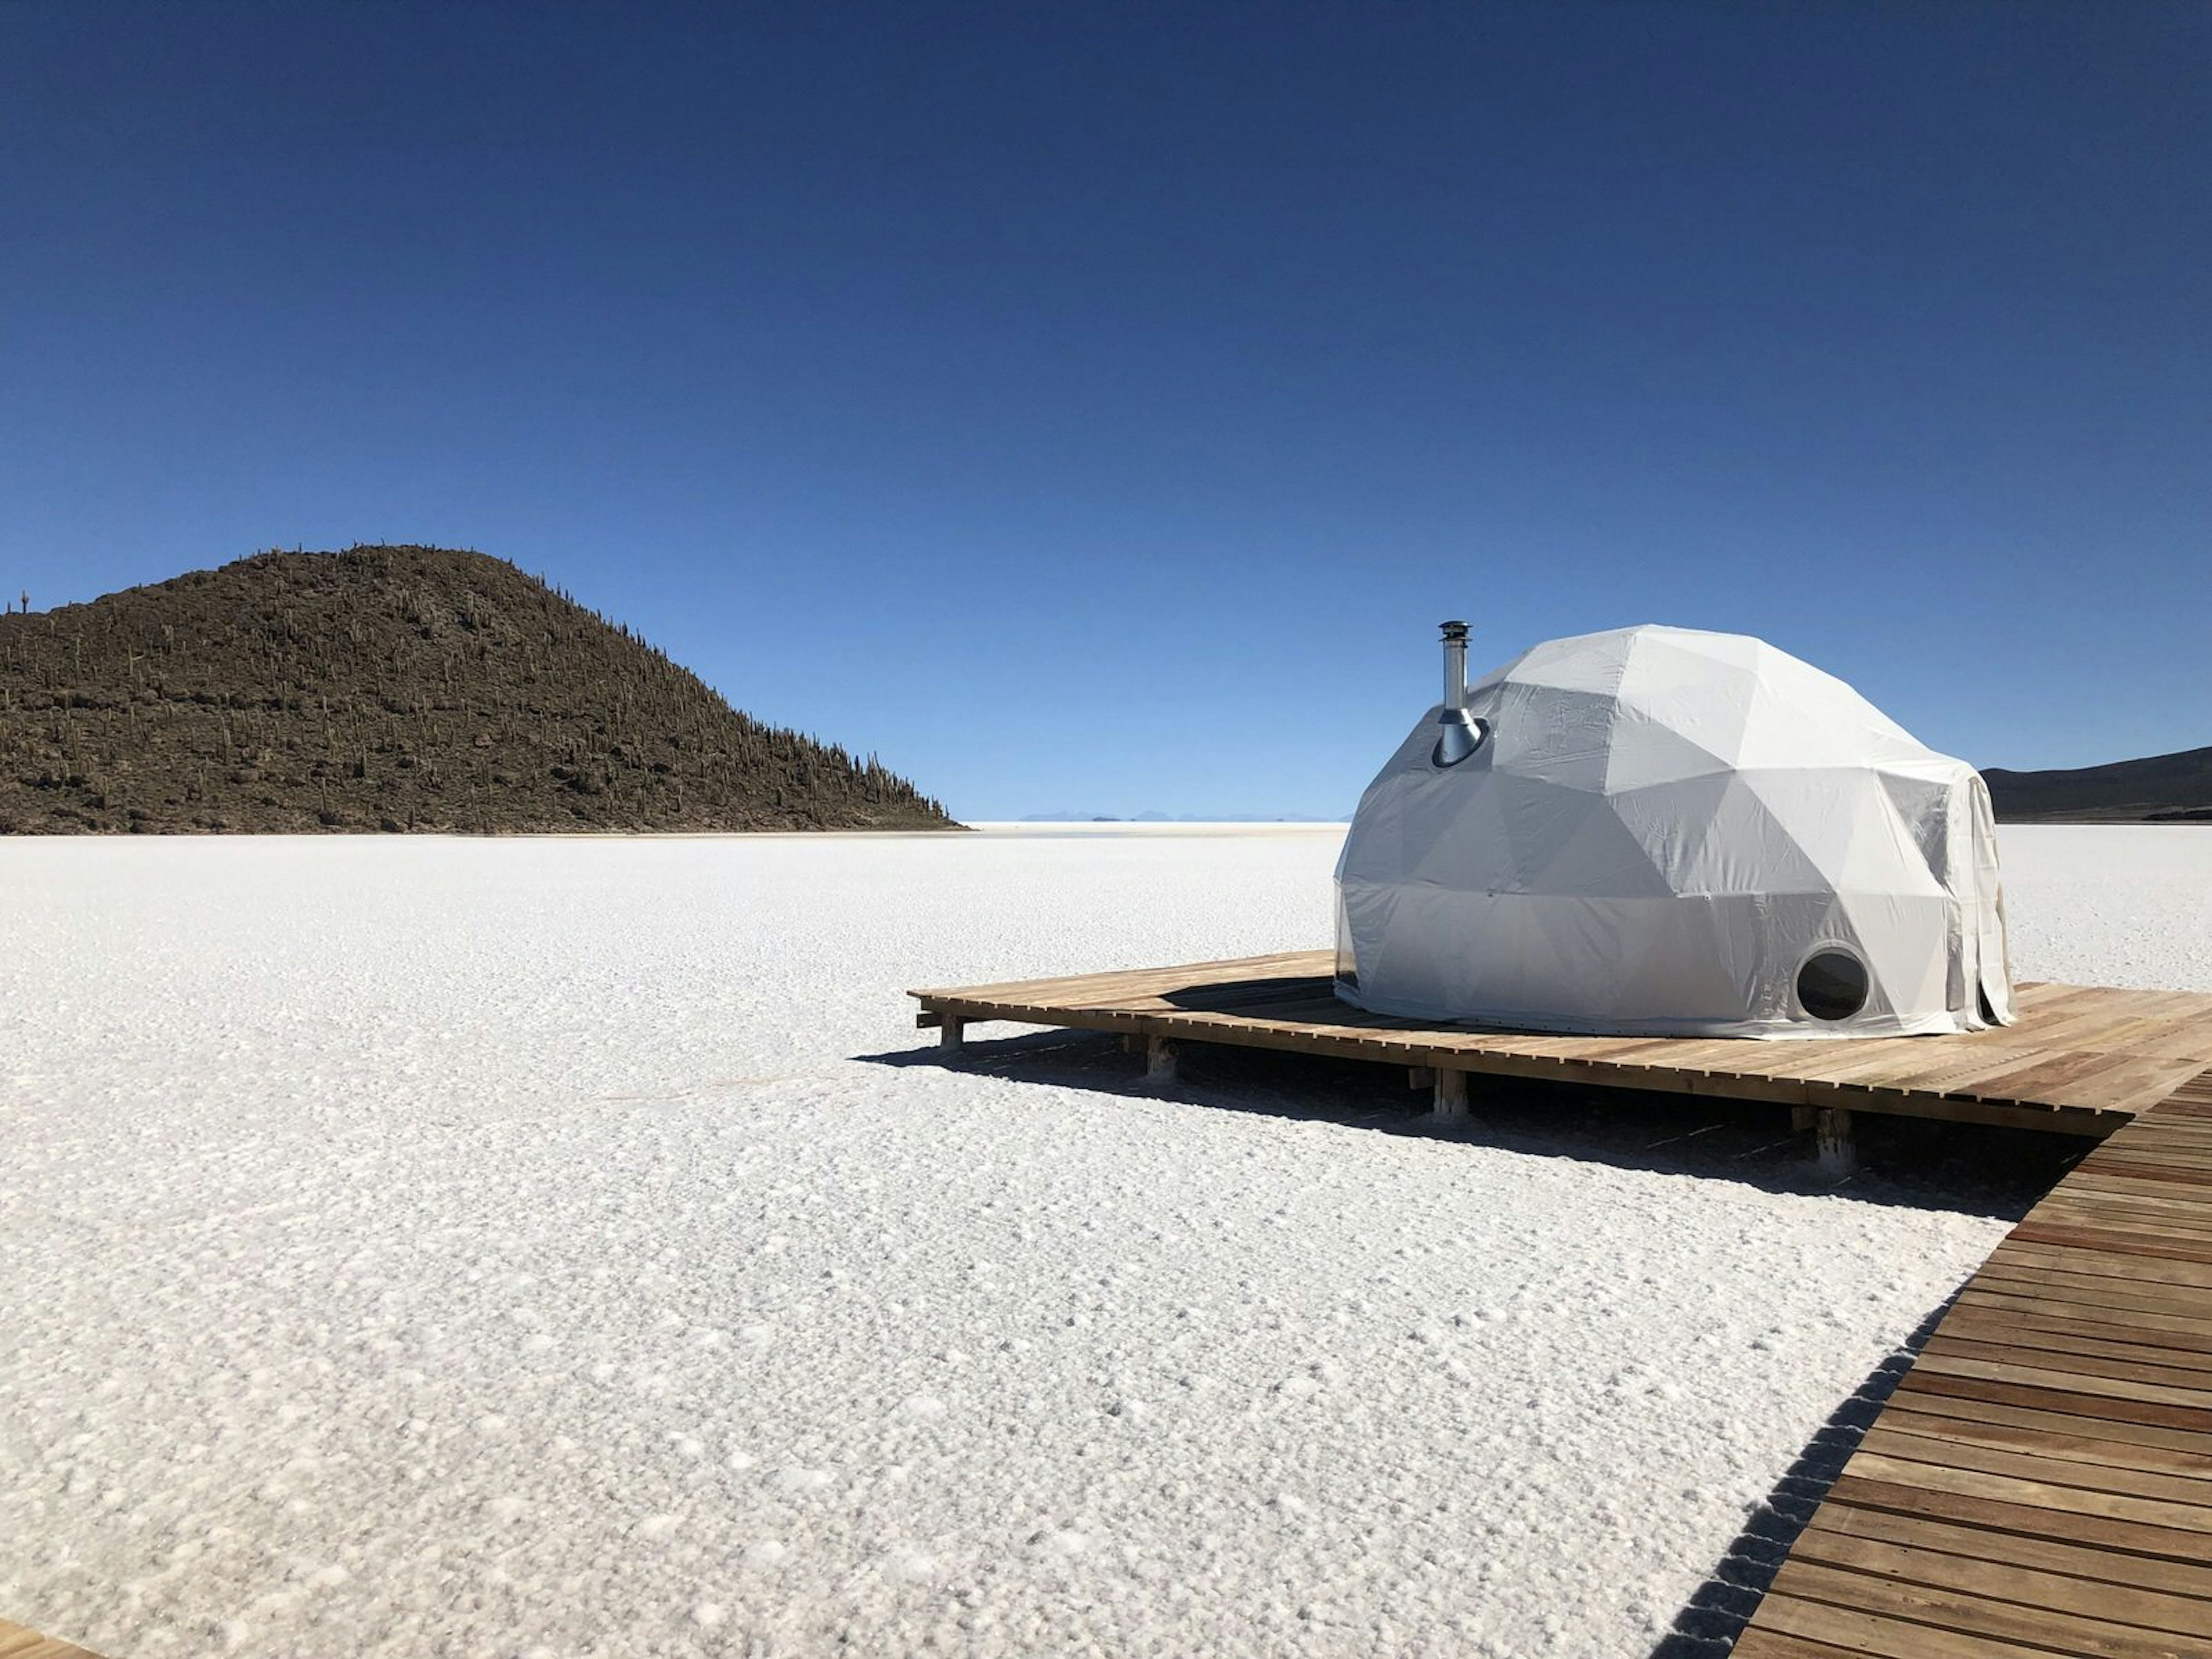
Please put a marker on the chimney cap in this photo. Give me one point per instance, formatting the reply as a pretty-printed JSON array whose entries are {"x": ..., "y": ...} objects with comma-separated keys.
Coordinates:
[{"x": 1454, "y": 631}]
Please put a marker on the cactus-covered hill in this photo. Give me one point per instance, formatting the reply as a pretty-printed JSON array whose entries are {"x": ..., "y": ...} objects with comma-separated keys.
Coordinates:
[{"x": 393, "y": 688}]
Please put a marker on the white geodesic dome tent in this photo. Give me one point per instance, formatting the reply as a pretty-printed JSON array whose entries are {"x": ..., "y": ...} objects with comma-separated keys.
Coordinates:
[{"x": 1659, "y": 831}]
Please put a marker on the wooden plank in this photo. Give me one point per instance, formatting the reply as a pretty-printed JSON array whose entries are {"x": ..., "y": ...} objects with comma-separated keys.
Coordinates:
[
  {"x": 1984, "y": 1328},
  {"x": 2081, "y": 1274},
  {"x": 2169, "y": 1253},
  {"x": 2167, "y": 1334},
  {"x": 2189, "y": 1581},
  {"x": 1934, "y": 1073},
  {"x": 1972, "y": 1332},
  {"x": 2179, "y": 1030},
  {"x": 2054, "y": 1394},
  {"x": 2180, "y": 1129},
  {"x": 1857, "y": 1631},
  {"x": 2134, "y": 1089},
  {"x": 2085, "y": 1439},
  {"x": 2156, "y": 1223},
  {"x": 2186, "y": 1135},
  {"x": 2160, "y": 1017},
  {"x": 1912, "y": 1058},
  {"x": 2100, "y": 1177},
  {"x": 2186, "y": 1158},
  {"x": 2151, "y": 1218},
  {"x": 2135, "y": 1163},
  {"x": 2044, "y": 1462},
  {"x": 2099, "y": 1188},
  {"x": 1966, "y": 1613},
  {"x": 2185, "y": 1138},
  {"x": 2044, "y": 1075},
  {"x": 2066, "y": 1375},
  {"x": 1773, "y": 1645},
  {"x": 2140, "y": 1161},
  {"x": 2184, "y": 1131},
  {"x": 2012, "y": 1277},
  {"x": 2080, "y": 1257},
  {"x": 2083, "y": 1019},
  {"x": 1700, "y": 1057},
  {"x": 2161, "y": 1204},
  {"x": 2054, "y": 1409},
  {"x": 1912, "y": 1497},
  {"x": 2028, "y": 1491},
  {"x": 2158, "y": 1138}
]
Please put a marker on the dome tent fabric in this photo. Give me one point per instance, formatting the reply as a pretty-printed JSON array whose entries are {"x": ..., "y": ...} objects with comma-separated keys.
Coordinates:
[{"x": 1660, "y": 831}]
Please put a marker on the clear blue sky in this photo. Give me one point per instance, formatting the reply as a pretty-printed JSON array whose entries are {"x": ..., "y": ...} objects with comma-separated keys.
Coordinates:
[{"x": 1095, "y": 407}]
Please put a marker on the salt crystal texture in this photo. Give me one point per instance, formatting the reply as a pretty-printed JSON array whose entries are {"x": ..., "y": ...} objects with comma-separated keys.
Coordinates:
[{"x": 392, "y": 1226}]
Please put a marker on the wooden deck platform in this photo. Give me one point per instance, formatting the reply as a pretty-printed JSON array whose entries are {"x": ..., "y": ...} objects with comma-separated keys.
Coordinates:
[
  {"x": 2082, "y": 1060},
  {"x": 2041, "y": 1482}
]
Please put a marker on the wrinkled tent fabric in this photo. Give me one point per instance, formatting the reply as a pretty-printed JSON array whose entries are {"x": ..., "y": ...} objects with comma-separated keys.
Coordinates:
[{"x": 1666, "y": 832}]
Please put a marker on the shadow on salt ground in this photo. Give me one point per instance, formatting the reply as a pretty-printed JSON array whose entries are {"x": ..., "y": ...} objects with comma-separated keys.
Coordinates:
[
  {"x": 1938, "y": 1166},
  {"x": 1963, "y": 1167},
  {"x": 1724, "y": 1604}
]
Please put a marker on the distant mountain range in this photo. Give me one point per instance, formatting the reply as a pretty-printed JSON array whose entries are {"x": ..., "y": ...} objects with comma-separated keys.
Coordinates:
[
  {"x": 394, "y": 688},
  {"x": 2159, "y": 789}
]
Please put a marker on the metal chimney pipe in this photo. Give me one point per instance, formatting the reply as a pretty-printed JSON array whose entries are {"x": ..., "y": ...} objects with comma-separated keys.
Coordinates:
[
  {"x": 1459, "y": 734},
  {"x": 1455, "y": 665}
]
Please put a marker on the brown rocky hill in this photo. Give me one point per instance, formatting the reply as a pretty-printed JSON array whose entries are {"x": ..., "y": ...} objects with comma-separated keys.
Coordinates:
[{"x": 394, "y": 689}]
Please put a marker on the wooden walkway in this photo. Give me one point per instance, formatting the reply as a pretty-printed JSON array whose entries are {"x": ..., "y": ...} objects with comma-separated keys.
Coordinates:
[
  {"x": 16, "y": 1643},
  {"x": 2041, "y": 1482}
]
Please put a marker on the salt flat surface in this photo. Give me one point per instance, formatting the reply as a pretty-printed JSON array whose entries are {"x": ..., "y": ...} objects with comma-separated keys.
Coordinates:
[
  {"x": 457, "y": 1247},
  {"x": 2097, "y": 904}
]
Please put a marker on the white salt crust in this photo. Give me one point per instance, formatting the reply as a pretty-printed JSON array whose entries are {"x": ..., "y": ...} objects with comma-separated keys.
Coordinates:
[{"x": 426, "y": 1247}]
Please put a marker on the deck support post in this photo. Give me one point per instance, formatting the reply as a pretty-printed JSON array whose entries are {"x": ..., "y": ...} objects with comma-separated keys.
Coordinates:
[
  {"x": 1450, "y": 1096},
  {"x": 1160, "y": 1057},
  {"x": 951, "y": 1033},
  {"x": 1834, "y": 1145}
]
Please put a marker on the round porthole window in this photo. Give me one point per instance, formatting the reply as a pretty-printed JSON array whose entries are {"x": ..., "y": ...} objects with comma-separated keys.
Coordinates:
[{"x": 1832, "y": 984}]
